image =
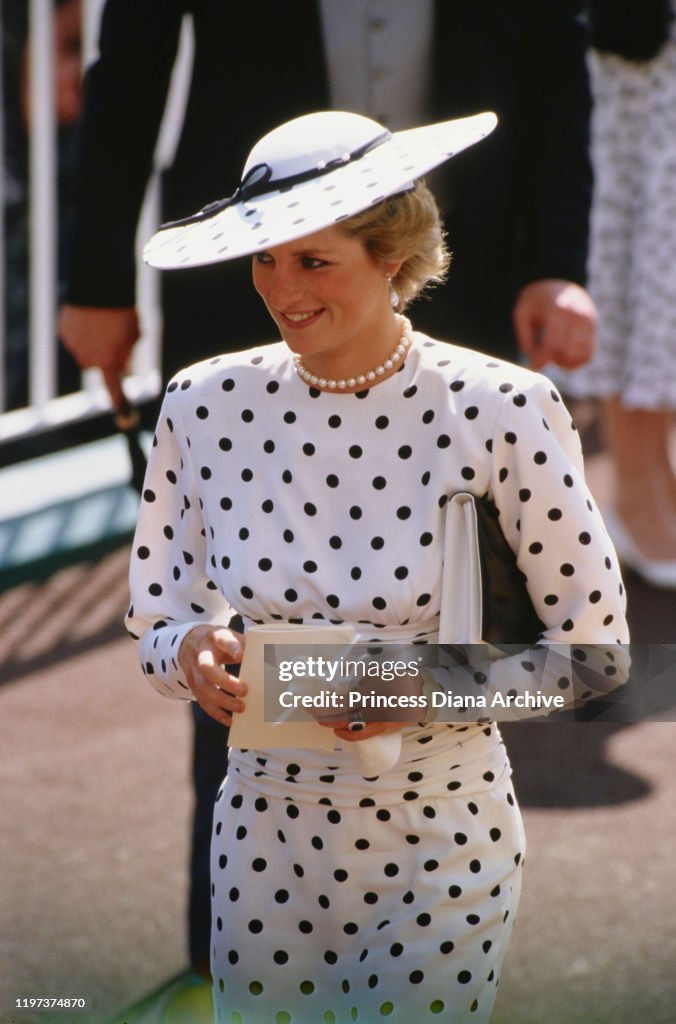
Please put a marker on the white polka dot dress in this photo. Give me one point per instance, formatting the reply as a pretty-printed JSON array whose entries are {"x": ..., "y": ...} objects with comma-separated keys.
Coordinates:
[
  {"x": 632, "y": 265},
  {"x": 338, "y": 898}
]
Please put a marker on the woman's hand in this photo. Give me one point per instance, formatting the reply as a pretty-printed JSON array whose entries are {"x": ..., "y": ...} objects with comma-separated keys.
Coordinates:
[
  {"x": 362, "y": 724},
  {"x": 203, "y": 655},
  {"x": 369, "y": 729}
]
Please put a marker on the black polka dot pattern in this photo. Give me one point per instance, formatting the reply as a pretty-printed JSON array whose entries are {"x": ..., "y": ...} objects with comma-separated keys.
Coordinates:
[
  {"x": 292, "y": 505},
  {"x": 343, "y": 920}
]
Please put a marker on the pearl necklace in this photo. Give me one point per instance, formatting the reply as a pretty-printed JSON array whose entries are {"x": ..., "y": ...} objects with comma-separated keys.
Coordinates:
[{"x": 340, "y": 384}]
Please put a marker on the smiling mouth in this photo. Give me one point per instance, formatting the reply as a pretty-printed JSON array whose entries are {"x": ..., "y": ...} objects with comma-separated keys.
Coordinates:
[{"x": 299, "y": 318}]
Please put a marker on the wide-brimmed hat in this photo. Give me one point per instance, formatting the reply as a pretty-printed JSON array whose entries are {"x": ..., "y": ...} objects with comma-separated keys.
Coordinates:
[{"x": 308, "y": 174}]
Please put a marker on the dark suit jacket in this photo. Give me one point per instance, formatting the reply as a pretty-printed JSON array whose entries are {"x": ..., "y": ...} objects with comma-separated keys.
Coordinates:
[{"x": 517, "y": 204}]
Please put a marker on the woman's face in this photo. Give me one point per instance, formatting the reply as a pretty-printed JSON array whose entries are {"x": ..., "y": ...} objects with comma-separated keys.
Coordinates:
[{"x": 329, "y": 299}]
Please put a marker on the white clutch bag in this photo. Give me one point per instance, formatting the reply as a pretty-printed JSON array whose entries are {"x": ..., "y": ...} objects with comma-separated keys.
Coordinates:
[
  {"x": 484, "y": 598},
  {"x": 461, "y": 611}
]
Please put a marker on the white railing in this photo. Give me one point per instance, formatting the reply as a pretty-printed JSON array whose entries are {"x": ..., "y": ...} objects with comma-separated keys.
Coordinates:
[{"x": 46, "y": 409}]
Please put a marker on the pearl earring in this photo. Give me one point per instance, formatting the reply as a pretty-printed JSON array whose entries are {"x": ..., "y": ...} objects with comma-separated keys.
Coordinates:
[{"x": 394, "y": 295}]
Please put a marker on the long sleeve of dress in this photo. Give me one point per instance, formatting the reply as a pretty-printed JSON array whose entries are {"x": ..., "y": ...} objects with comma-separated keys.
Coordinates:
[
  {"x": 553, "y": 525},
  {"x": 169, "y": 576}
]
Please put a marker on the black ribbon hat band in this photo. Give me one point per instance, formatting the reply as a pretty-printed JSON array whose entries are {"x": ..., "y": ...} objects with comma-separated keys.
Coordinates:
[{"x": 258, "y": 181}]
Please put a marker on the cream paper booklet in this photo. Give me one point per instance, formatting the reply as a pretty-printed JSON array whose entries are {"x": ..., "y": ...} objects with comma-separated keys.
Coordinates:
[{"x": 249, "y": 728}]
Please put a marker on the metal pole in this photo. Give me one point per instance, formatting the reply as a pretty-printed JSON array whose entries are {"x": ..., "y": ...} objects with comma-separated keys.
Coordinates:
[
  {"x": 3, "y": 314},
  {"x": 42, "y": 204}
]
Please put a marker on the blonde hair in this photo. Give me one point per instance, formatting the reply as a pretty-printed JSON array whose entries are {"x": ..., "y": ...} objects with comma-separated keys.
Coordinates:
[{"x": 406, "y": 227}]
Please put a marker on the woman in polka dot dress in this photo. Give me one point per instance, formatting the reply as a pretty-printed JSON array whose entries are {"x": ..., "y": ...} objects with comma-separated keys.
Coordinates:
[{"x": 305, "y": 482}]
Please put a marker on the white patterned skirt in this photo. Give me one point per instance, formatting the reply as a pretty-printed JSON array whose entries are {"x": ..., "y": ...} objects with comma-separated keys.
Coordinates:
[
  {"x": 339, "y": 899},
  {"x": 632, "y": 264}
]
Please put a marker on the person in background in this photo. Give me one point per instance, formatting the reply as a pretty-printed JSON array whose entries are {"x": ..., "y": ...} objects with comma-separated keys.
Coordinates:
[
  {"x": 633, "y": 275},
  {"x": 17, "y": 117},
  {"x": 517, "y": 212}
]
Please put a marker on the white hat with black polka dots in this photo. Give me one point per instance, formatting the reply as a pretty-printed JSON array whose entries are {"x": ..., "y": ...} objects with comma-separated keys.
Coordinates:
[{"x": 306, "y": 175}]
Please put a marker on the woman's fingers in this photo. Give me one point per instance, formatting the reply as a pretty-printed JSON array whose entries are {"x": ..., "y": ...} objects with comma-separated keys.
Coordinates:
[
  {"x": 230, "y": 644},
  {"x": 204, "y": 655},
  {"x": 370, "y": 729},
  {"x": 219, "y": 693}
]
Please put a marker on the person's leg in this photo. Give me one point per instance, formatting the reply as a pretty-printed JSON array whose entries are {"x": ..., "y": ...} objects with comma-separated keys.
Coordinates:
[
  {"x": 645, "y": 485},
  {"x": 209, "y": 766}
]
